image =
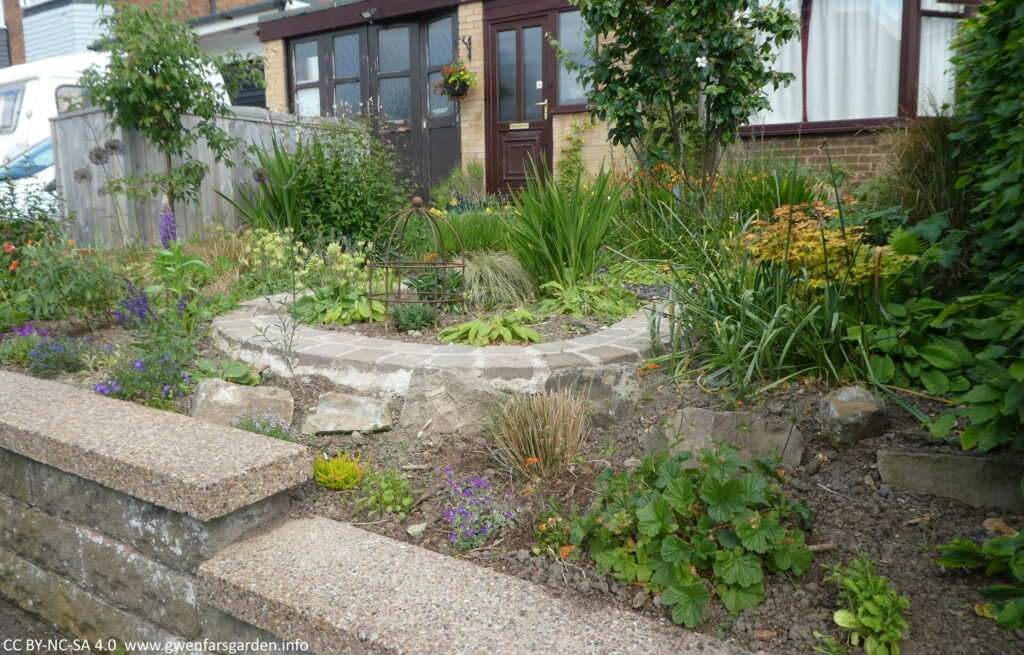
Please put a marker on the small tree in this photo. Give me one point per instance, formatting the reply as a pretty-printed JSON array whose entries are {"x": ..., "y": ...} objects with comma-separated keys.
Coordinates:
[
  {"x": 676, "y": 80},
  {"x": 157, "y": 76}
]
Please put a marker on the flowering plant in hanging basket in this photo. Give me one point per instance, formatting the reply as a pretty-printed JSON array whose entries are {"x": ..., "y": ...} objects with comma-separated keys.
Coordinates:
[{"x": 456, "y": 80}]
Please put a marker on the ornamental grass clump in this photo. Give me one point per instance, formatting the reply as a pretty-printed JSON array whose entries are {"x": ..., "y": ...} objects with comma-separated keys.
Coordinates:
[
  {"x": 340, "y": 472},
  {"x": 539, "y": 436},
  {"x": 477, "y": 511}
]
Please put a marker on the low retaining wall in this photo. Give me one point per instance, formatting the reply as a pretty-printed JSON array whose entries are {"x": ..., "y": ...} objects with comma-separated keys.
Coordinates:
[
  {"x": 383, "y": 366},
  {"x": 127, "y": 523}
]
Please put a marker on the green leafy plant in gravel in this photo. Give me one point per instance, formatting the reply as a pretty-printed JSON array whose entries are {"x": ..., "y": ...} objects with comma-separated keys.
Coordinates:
[
  {"x": 871, "y": 607},
  {"x": 678, "y": 531},
  {"x": 558, "y": 235},
  {"x": 587, "y": 299},
  {"x": 268, "y": 424},
  {"x": 412, "y": 316},
  {"x": 235, "y": 372},
  {"x": 502, "y": 328},
  {"x": 385, "y": 492},
  {"x": 553, "y": 530},
  {"x": 327, "y": 305},
  {"x": 343, "y": 471},
  {"x": 999, "y": 556}
]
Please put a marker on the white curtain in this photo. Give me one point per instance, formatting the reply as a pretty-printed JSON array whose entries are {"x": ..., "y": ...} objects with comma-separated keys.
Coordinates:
[
  {"x": 853, "y": 59},
  {"x": 936, "y": 77},
  {"x": 786, "y": 102}
]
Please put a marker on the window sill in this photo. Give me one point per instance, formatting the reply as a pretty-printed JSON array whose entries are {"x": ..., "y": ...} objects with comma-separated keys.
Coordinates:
[{"x": 821, "y": 127}]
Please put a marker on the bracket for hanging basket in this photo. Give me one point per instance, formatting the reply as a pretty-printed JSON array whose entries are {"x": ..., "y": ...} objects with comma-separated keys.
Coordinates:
[{"x": 389, "y": 261}]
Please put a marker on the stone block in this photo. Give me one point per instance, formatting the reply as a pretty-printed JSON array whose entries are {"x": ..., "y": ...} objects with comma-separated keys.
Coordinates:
[
  {"x": 693, "y": 428},
  {"x": 40, "y": 537},
  {"x": 612, "y": 391},
  {"x": 220, "y": 401},
  {"x": 450, "y": 401},
  {"x": 979, "y": 481},
  {"x": 342, "y": 412},
  {"x": 15, "y": 476},
  {"x": 851, "y": 414}
]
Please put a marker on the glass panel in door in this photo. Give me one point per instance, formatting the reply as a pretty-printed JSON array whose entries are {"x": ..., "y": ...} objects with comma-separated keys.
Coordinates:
[
  {"x": 533, "y": 73},
  {"x": 507, "y": 97}
]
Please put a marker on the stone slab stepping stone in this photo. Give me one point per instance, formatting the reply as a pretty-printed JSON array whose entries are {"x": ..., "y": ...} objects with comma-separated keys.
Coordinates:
[
  {"x": 342, "y": 412},
  {"x": 851, "y": 414},
  {"x": 693, "y": 428},
  {"x": 984, "y": 482},
  {"x": 443, "y": 400},
  {"x": 220, "y": 401}
]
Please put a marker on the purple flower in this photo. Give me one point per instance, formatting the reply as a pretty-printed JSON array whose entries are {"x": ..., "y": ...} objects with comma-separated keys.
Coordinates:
[
  {"x": 136, "y": 308},
  {"x": 139, "y": 365},
  {"x": 102, "y": 388},
  {"x": 168, "y": 226}
]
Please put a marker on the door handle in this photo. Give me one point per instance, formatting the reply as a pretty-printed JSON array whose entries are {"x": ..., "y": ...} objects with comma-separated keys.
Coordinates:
[{"x": 545, "y": 106}]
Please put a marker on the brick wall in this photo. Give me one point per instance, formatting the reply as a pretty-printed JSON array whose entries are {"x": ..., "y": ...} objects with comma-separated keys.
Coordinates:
[
  {"x": 275, "y": 70},
  {"x": 861, "y": 152},
  {"x": 471, "y": 108},
  {"x": 596, "y": 149},
  {"x": 15, "y": 35}
]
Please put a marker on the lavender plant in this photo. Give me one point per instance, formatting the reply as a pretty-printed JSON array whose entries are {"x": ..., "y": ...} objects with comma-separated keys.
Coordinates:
[
  {"x": 268, "y": 424},
  {"x": 476, "y": 515}
]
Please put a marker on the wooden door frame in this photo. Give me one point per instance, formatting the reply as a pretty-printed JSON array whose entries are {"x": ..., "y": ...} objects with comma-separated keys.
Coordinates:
[{"x": 514, "y": 14}]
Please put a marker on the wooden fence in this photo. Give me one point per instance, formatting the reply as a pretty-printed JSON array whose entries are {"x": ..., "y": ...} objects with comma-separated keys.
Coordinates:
[{"x": 89, "y": 152}]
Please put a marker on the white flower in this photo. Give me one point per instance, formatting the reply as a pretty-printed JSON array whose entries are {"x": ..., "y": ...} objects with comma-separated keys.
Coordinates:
[{"x": 702, "y": 62}]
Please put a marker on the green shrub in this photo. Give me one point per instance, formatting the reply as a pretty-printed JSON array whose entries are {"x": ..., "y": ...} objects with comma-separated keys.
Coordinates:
[
  {"x": 464, "y": 187},
  {"x": 495, "y": 279},
  {"x": 412, "y": 316},
  {"x": 757, "y": 187},
  {"x": 340, "y": 307},
  {"x": 999, "y": 556},
  {"x": 558, "y": 236},
  {"x": 340, "y": 472},
  {"x": 485, "y": 229},
  {"x": 28, "y": 214},
  {"x": 552, "y": 530},
  {"x": 870, "y": 608},
  {"x": 587, "y": 299},
  {"x": 676, "y": 530},
  {"x": 988, "y": 60},
  {"x": 504, "y": 328},
  {"x": 539, "y": 436},
  {"x": 268, "y": 424}
]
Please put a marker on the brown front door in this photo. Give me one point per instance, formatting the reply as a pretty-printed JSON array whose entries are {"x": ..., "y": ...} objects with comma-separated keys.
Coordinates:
[{"x": 519, "y": 100}]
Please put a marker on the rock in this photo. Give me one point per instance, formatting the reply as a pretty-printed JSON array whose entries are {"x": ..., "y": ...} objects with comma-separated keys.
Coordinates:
[
  {"x": 851, "y": 414},
  {"x": 449, "y": 401},
  {"x": 416, "y": 530},
  {"x": 632, "y": 464},
  {"x": 977, "y": 481},
  {"x": 612, "y": 391},
  {"x": 220, "y": 401},
  {"x": 639, "y": 600},
  {"x": 693, "y": 428},
  {"x": 342, "y": 412}
]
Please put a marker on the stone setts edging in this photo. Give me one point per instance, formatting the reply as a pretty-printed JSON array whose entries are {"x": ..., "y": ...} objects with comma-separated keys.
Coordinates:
[
  {"x": 172, "y": 461},
  {"x": 349, "y": 592},
  {"x": 384, "y": 366}
]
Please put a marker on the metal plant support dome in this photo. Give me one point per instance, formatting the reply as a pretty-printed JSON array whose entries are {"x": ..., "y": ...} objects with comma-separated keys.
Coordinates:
[{"x": 391, "y": 267}]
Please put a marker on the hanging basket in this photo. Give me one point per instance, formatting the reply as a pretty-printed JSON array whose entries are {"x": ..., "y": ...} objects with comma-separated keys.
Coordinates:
[{"x": 455, "y": 89}]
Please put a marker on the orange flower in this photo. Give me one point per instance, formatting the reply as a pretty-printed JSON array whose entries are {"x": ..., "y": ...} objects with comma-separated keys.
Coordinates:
[
  {"x": 566, "y": 550},
  {"x": 14, "y": 266},
  {"x": 8, "y": 248},
  {"x": 29, "y": 242},
  {"x": 71, "y": 242},
  {"x": 780, "y": 472},
  {"x": 541, "y": 527},
  {"x": 653, "y": 367},
  {"x": 530, "y": 461},
  {"x": 430, "y": 256}
]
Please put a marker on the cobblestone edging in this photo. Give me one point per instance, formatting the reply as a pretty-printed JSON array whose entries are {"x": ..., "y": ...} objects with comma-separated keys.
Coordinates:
[{"x": 383, "y": 366}]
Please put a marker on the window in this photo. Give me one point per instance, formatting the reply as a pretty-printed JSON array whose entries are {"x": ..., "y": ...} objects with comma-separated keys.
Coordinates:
[
  {"x": 863, "y": 62},
  {"x": 348, "y": 88},
  {"x": 440, "y": 52},
  {"x": 10, "y": 105},
  {"x": 572, "y": 34},
  {"x": 306, "y": 74}
]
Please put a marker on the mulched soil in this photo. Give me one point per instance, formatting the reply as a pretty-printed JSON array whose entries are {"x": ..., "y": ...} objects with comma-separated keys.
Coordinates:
[{"x": 854, "y": 513}]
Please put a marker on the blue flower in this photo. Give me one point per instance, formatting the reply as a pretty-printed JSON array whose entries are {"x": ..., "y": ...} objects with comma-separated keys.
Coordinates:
[{"x": 168, "y": 226}]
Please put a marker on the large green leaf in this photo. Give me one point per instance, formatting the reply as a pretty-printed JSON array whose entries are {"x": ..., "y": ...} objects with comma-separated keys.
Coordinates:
[
  {"x": 935, "y": 381},
  {"x": 736, "y": 598},
  {"x": 687, "y": 603},
  {"x": 680, "y": 494},
  {"x": 675, "y": 550},
  {"x": 940, "y": 357},
  {"x": 882, "y": 368},
  {"x": 733, "y": 567},
  {"x": 759, "y": 534},
  {"x": 655, "y": 517},
  {"x": 723, "y": 498}
]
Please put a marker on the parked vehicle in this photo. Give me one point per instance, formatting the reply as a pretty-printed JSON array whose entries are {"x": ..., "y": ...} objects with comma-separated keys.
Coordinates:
[{"x": 29, "y": 96}]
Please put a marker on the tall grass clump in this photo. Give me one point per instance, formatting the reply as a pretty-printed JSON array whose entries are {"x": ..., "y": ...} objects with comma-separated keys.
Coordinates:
[
  {"x": 496, "y": 279},
  {"x": 478, "y": 230},
  {"x": 539, "y": 436},
  {"x": 558, "y": 235}
]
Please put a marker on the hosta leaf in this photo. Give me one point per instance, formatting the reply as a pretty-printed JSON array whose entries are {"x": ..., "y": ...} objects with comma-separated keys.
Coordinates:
[
  {"x": 759, "y": 534},
  {"x": 732, "y": 567},
  {"x": 940, "y": 357},
  {"x": 882, "y": 368},
  {"x": 935, "y": 381},
  {"x": 687, "y": 603},
  {"x": 737, "y": 599}
]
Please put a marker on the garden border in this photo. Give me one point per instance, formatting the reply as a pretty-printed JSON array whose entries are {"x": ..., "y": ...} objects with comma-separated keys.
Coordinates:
[{"x": 383, "y": 366}]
